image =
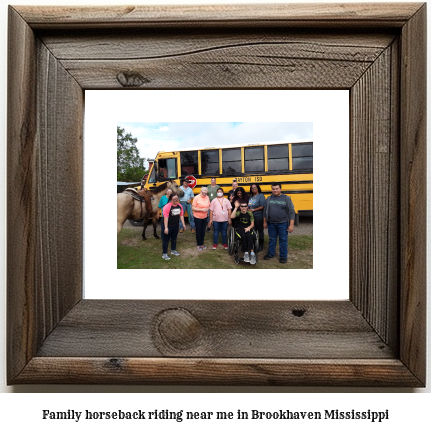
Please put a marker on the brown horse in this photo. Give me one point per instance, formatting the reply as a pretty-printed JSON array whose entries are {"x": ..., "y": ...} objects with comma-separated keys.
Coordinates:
[{"x": 129, "y": 208}]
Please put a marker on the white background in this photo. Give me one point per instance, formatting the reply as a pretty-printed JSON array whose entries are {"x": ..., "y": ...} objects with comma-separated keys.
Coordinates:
[
  {"x": 22, "y": 410},
  {"x": 329, "y": 112}
]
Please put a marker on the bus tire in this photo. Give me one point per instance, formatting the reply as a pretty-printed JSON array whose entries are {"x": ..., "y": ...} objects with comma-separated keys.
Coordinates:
[{"x": 139, "y": 222}]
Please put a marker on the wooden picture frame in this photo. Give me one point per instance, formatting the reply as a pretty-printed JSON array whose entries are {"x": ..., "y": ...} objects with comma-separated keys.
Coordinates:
[{"x": 376, "y": 338}]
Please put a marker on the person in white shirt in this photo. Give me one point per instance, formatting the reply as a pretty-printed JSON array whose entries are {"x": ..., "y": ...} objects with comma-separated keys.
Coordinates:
[{"x": 220, "y": 212}]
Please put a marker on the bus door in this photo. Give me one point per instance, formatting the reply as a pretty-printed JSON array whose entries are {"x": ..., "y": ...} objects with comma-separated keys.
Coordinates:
[{"x": 153, "y": 178}]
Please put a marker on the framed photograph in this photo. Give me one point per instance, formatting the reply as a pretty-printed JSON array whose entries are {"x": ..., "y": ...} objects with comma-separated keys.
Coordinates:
[
  {"x": 374, "y": 338},
  {"x": 214, "y": 153}
]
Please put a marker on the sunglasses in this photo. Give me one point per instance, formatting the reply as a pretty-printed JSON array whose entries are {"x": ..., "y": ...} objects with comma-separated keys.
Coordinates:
[{"x": 244, "y": 206}]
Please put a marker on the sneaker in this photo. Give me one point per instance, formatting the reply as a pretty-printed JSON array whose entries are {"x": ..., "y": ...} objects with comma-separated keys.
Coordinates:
[
  {"x": 203, "y": 247},
  {"x": 175, "y": 253},
  {"x": 267, "y": 257},
  {"x": 193, "y": 230},
  {"x": 215, "y": 246},
  {"x": 165, "y": 257},
  {"x": 246, "y": 257},
  {"x": 199, "y": 248},
  {"x": 283, "y": 260},
  {"x": 181, "y": 230},
  {"x": 253, "y": 258},
  {"x": 225, "y": 246}
]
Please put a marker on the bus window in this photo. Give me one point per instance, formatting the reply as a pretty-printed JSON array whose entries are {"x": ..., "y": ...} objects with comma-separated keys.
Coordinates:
[
  {"x": 302, "y": 163},
  {"x": 278, "y": 157},
  {"x": 167, "y": 169},
  {"x": 302, "y": 149},
  {"x": 210, "y": 162},
  {"x": 254, "y": 159},
  {"x": 189, "y": 163},
  {"x": 302, "y": 156},
  {"x": 231, "y": 161}
]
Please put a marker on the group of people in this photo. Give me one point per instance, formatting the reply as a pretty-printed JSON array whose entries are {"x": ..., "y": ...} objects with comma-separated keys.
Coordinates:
[{"x": 211, "y": 209}]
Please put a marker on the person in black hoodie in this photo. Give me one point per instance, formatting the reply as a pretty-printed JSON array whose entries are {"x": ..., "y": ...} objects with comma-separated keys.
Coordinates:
[{"x": 244, "y": 228}]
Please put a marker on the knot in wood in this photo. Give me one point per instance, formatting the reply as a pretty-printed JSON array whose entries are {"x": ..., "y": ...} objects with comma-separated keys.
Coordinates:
[
  {"x": 115, "y": 363},
  {"x": 178, "y": 329},
  {"x": 131, "y": 79},
  {"x": 298, "y": 312}
]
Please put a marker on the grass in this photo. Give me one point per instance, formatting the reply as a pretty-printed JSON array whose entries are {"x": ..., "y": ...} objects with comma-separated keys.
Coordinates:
[{"x": 134, "y": 253}]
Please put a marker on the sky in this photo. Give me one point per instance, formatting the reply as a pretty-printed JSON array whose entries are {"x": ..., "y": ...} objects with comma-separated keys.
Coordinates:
[{"x": 169, "y": 136}]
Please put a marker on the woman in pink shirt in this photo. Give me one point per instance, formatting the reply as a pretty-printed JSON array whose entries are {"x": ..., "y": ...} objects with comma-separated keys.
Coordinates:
[
  {"x": 172, "y": 214},
  {"x": 200, "y": 207},
  {"x": 220, "y": 210}
]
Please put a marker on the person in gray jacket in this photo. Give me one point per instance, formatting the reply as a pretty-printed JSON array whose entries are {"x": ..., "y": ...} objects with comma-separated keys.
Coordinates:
[{"x": 278, "y": 217}]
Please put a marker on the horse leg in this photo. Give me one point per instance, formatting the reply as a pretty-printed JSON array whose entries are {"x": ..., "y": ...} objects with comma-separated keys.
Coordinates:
[
  {"x": 146, "y": 223},
  {"x": 155, "y": 223},
  {"x": 120, "y": 223}
]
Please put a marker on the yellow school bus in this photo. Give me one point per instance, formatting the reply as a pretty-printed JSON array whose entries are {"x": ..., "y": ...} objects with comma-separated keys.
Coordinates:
[{"x": 290, "y": 164}]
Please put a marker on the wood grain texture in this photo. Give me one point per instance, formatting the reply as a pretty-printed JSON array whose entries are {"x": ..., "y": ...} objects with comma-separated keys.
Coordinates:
[
  {"x": 413, "y": 193},
  {"x": 376, "y": 338},
  {"x": 201, "y": 60},
  {"x": 45, "y": 106},
  {"x": 141, "y": 44},
  {"x": 373, "y": 196},
  {"x": 235, "y": 329},
  {"x": 21, "y": 228},
  {"x": 59, "y": 184},
  {"x": 299, "y": 14},
  {"x": 197, "y": 59},
  {"x": 197, "y": 371}
]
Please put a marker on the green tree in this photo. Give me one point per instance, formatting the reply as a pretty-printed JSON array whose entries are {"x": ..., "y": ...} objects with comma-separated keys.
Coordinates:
[{"x": 130, "y": 167}]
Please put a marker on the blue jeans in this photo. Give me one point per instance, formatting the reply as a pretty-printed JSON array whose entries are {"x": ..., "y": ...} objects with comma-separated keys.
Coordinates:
[
  {"x": 172, "y": 236},
  {"x": 188, "y": 207},
  {"x": 162, "y": 226},
  {"x": 220, "y": 227},
  {"x": 277, "y": 230}
]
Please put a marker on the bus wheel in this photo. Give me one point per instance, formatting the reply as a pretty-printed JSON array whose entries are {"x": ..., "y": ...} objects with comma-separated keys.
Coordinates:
[{"x": 139, "y": 222}]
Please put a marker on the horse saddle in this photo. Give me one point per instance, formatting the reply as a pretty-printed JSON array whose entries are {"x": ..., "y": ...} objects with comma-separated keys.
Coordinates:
[{"x": 142, "y": 195}]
